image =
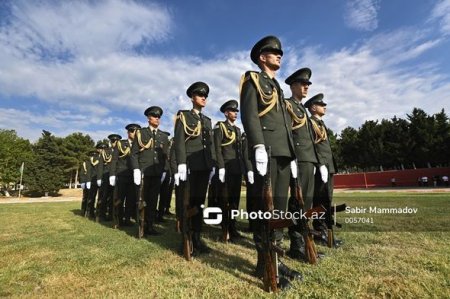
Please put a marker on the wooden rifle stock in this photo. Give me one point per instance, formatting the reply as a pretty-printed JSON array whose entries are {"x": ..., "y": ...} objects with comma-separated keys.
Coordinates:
[
  {"x": 140, "y": 208},
  {"x": 187, "y": 214}
]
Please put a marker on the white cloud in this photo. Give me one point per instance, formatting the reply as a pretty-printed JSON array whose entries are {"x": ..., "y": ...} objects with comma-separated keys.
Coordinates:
[
  {"x": 441, "y": 13},
  {"x": 362, "y": 14},
  {"x": 373, "y": 81}
]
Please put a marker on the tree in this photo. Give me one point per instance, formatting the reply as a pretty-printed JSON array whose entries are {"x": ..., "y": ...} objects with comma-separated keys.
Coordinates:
[
  {"x": 46, "y": 172},
  {"x": 75, "y": 148},
  {"x": 13, "y": 152}
]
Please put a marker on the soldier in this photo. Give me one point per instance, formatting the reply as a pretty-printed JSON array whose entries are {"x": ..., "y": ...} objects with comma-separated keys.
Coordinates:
[
  {"x": 305, "y": 152},
  {"x": 323, "y": 190},
  {"x": 268, "y": 128},
  {"x": 228, "y": 143},
  {"x": 97, "y": 172},
  {"x": 106, "y": 190},
  {"x": 149, "y": 158},
  {"x": 195, "y": 155},
  {"x": 85, "y": 180},
  {"x": 121, "y": 177}
]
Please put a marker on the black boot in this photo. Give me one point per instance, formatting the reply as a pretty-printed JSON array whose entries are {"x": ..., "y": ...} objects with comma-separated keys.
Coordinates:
[
  {"x": 259, "y": 270},
  {"x": 290, "y": 274},
  {"x": 199, "y": 245}
]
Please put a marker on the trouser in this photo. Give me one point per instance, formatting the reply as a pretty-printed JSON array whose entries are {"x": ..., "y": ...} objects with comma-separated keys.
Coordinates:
[
  {"x": 105, "y": 196},
  {"x": 152, "y": 185},
  {"x": 84, "y": 200},
  {"x": 233, "y": 192},
  {"x": 198, "y": 182},
  {"x": 213, "y": 192},
  {"x": 280, "y": 176},
  {"x": 306, "y": 180},
  {"x": 165, "y": 194},
  {"x": 92, "y": 196},
  {"x": 323, "y": 196},
  {"x": 126, "y": 191}
]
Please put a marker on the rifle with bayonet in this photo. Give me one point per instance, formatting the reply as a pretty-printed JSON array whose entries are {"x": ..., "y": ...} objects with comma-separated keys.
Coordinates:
[
  {"x": 140, "y": 208},
  {"x": 225, "y": 211}
]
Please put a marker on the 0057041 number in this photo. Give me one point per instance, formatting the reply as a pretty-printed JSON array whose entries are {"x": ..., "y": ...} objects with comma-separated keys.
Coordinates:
[{"x": 368, "y": 220}]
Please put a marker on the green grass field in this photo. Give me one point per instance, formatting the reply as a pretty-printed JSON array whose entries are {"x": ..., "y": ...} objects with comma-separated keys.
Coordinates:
[{"x": 48, "y": 250}]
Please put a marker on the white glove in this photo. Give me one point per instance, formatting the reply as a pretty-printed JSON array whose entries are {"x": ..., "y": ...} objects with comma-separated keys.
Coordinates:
[
  {"x": 88, "y": 185},
  {"x": 251, "y": 177},
  {"x": 99, "y": 183},
  {"x": 211, "y": 174},
  {"x": 182, "y": 172},
  {"x": 112, "y": 180},
  {"x": 137, "y": 176},
  {"x": 83, "y": 186},
  {"x": 222, "y": 175},
  {"x": 176, "y": 178},
  {"x": 323, "y": 173},
  {"x": 294, "y": 168},
  {"x": 163, "y": 177},
  {"x": 261, "y": 160}
]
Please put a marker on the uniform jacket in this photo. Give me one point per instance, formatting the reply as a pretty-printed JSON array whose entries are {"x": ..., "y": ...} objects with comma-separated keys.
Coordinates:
[
  {"x": 272, "y": 129},
  {"x": 197, "y": 151},
  {"x": 228, "y": 150},
  {"x": 324, "y": 153},
  {"x": 303, "y": 137},
  {"x": 121, "y": 159},
  {"x": 151, "y": 161}
]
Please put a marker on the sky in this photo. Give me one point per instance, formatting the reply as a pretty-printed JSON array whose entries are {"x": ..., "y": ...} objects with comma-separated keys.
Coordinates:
[{"x": 95, "y": 66}]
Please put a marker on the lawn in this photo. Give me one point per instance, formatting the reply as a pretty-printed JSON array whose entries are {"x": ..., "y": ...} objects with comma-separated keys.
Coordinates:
[{"x": 48, "y": 250}]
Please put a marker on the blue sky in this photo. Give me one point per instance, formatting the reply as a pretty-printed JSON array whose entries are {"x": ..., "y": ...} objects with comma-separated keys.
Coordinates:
[{"x": 95, "y": 66}]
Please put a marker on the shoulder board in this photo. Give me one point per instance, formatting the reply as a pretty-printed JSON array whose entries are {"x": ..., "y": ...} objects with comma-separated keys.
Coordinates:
[
  {"x": 182, "y": 111},
  {"x": 206, "y": 117},
  {"x": 218, "y": 124},
  {"x": 164, "y": 132}
]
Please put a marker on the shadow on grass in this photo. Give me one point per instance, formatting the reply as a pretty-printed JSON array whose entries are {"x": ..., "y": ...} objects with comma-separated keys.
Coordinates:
[{"x": 171, "y": 240}]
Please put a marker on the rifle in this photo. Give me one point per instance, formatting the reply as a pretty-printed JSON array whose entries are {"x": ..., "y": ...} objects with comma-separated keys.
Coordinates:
[
  {"x": 98, "y": 205},
  {"x": 186, "y": 215},
  {"x": 116, "y": 206},
  {"x": 310, "y": 247},
  {"x": 140, "y": 208},
  {"x": 270, "y": 278},
  {"x": 225, "y": 211}
]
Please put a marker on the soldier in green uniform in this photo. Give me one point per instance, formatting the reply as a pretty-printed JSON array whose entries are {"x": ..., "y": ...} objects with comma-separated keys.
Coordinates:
[
  {"x": 305, "y": 152},
  {"x": 121, "y": 177},
  {"x": 268, "y": 128},
  {"x": 149, "y": 157},
  {"x": 228, "y": 143},
  {"x": 96, "y": 162},
  {"x": 195, "y": 155},
  {"x": 106, "y": 190},
  {"x": 324, "y": 181},
  {"x": 85, "y": 180}
]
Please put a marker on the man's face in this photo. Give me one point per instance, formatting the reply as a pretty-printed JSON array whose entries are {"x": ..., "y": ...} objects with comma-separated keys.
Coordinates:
[
  {"x": 271, "y": 60},
  {"x": 199, "y": 100},
  {"x": 231, "y": 115},
  {"x": 153, "y": 120},
  {"x": 318, "y": 109},
  {"x": 131, "y": 134},
  {"x": 299, "y": 89}
]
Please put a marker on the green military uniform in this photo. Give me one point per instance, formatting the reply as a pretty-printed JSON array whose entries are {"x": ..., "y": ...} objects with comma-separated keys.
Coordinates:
[
  {"x": 306, "y": 154},
  {"x": 149, "y": 154},
  {"x": 228, "y": 144},
  {"x": 194, "y": 148},
  {"x": 96, "y": 161},
  {"x": 106, "y": 190},
  {"x": 323, "y": 192},
  {"x": 85, "y": 177},
  {"x": 267, "y": 123},
  {"x": 166, "y": 188},
  {"x": 122, "y": 169}
]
